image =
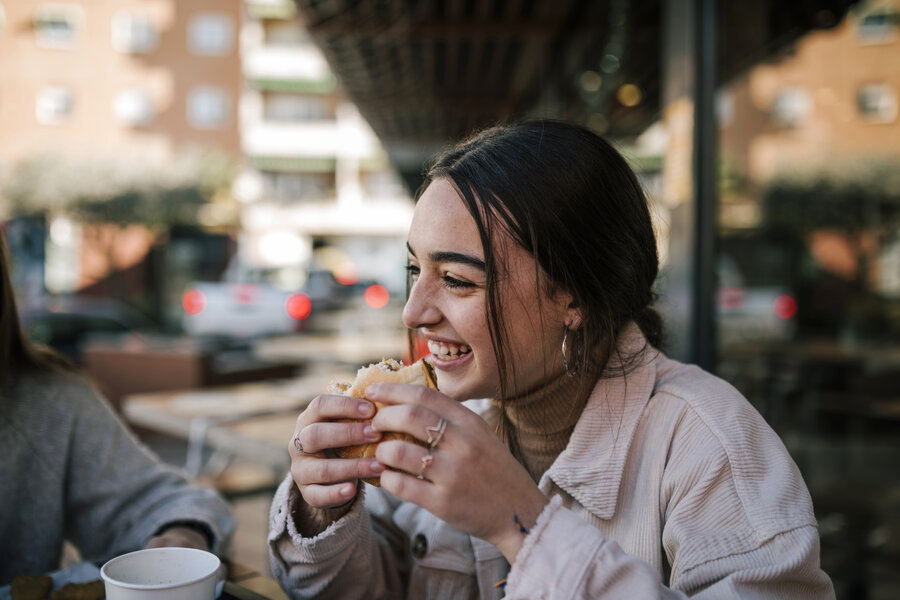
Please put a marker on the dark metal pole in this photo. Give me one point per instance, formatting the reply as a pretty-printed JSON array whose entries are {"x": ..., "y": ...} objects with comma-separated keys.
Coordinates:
[{"x": 703, "y": 321}]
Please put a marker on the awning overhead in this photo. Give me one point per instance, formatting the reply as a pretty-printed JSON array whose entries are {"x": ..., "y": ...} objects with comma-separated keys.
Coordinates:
[{"x": 426, "y": 73}]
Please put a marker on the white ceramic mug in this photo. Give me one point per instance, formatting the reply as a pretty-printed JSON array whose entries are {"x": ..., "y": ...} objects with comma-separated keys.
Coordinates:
[{"x": 157, "y": 573}]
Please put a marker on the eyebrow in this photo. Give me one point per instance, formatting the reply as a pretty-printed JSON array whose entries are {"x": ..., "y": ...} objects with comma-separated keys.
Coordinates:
[{"x": 452, "y": 257}]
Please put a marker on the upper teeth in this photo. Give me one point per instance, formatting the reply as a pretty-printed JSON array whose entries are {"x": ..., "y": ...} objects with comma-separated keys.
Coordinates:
[{"x": 445, "y": 349}]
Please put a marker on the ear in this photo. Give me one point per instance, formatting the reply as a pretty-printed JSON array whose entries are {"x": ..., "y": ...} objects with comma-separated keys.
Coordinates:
[{"x": 573, "y": 314}]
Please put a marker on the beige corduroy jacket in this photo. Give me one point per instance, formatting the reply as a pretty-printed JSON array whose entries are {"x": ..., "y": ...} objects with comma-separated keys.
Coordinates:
[{"x": 672, "y": 486}]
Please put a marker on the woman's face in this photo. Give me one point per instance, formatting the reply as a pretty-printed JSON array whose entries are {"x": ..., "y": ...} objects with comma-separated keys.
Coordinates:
[{"x": 447, "y": 302}]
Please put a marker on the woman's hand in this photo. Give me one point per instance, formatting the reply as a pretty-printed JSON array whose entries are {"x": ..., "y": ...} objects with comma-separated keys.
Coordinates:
[
  {"x": 326, "y": 482},
  {"x": 177, "y": 536},
  {"x": 471, "y": 481},
  {"x": 185, "y": 537}
]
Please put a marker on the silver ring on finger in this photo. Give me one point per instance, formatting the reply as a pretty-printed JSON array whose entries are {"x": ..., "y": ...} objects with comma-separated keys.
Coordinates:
[
  {"x": 435, "y": 433},
  {"x": 299, "y": 446},
  {"x": 426, "y": 462}
]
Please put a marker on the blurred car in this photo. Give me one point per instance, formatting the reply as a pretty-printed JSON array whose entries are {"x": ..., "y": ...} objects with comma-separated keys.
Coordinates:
[
  {"x": 752, "y": 312},
  {"x": 67, "y": 323},
  {"x": 242, "y": 310}
]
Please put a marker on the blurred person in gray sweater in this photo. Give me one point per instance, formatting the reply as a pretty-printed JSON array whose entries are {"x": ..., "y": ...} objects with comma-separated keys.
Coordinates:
[{"x": 72, "y": 471}]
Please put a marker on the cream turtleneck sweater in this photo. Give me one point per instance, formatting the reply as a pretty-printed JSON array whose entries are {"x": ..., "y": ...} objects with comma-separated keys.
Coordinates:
[{"x": 544, "y": 419}]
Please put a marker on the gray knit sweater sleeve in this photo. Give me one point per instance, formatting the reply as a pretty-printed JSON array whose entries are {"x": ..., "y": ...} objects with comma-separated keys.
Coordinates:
[{"x": 72, "y": 470}]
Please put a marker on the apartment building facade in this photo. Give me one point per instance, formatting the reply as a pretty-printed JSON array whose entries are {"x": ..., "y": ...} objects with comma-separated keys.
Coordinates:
[
  {"x": 143, "y": 79},
  {"x": 317, "y": 189},
  {"x": 142, "y": 83}
]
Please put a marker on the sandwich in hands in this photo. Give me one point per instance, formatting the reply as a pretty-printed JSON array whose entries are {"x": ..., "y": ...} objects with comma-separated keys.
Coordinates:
[{"x": 386, "y": 371}]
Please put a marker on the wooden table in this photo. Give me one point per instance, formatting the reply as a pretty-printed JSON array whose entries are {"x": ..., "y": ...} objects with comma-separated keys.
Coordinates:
[
  {"x": 251, "y": 421},
  {"x": 246, "y": 584}
]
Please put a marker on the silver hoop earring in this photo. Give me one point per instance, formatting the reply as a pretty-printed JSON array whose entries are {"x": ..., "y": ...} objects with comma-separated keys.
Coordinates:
[{"x": 570, "y": 373}]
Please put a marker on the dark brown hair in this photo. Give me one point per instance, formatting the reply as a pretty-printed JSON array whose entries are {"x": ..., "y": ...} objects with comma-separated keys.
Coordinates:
[
  {"x": 17, "y": 351},
  {"x": 567, "y": 197}
]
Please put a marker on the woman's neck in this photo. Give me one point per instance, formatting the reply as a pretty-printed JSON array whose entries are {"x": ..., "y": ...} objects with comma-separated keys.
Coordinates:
[{"x": 543, "y": 420}]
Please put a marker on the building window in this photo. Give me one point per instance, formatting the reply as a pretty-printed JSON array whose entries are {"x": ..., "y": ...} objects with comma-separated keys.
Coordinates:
[
  {"x": 878, "y": 27},
  {"x": 383, "y": 184},
  {"x": 294, "y": 107},
  {"x": 294, "y": 186},
  {"x": 133, "y": 107},
  {"x": 56, "y": 25},
  {"x": 791, "y": 106},
  {"x": 207, "y": 107},
  {"x": 54, "y": 105},
  {"x": 286, "y": 33},
  {"x": 133, "y": 33},
  {"x": 210, "y": 34},
  {"x": 877, "y": 103}
]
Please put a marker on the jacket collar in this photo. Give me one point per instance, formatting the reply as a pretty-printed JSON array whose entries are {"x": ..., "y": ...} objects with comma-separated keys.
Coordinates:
[{"x": 590, "y": 468}]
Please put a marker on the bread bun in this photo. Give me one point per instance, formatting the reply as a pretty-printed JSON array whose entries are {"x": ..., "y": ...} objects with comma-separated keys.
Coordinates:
[{"x": 386, "y": 371}]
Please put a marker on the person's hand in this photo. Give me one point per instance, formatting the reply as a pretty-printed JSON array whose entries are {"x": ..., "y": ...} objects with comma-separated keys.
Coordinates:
[
  {"x": 471, "y": 480},
  {"x": 177, "y": 536},
  {"x": 323, "y": 481},
  {"x": 186, "y": 537}
]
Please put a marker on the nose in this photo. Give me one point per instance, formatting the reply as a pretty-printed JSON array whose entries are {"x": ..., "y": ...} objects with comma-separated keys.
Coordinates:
[{"x": 421, "y": 309}]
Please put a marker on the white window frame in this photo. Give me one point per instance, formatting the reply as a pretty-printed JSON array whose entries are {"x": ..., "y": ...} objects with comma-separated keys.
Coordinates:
[
  {"x": 45, "y": 37},
  {"x": 791, "y": 106},
  {"x": 200, "y": 100},
  {"x": 211, "y": 34},
  {"x": 885, "y": 106},
  {"x": 881, "y": 33},
  {"x": 287, "y": 107},
  {"x": 54, "y": 105},
  {"x": 134, "y": 33},
  {"x": 133, "y": 107}
]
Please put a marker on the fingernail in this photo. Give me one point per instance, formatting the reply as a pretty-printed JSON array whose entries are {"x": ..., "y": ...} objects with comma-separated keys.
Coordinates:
[
  {"x": 373, "y": 390},
  {"x": 377, "y": 467},
  {"x": 365, "y": 409},
  {"x": 348, "y": 490},
  {"x": 371, "y": 433}
]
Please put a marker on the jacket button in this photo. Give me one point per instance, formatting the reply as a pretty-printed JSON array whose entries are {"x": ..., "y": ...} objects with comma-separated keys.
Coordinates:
[{"x": 419, "y": 546}]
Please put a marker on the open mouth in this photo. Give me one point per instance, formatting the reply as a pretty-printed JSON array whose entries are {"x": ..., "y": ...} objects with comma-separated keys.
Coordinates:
[{"x": 447, "y": 351}]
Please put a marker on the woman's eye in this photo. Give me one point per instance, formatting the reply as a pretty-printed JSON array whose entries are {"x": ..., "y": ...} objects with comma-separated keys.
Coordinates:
[
  {"x": 413, "y": 271},
  {"x": 453, "y": 282}
]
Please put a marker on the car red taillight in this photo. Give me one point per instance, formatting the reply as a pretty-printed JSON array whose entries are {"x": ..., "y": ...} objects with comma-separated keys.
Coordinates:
[
  {"x": 298, "y": 306},
  {"x": 785, "y": 307},
  {"x": 193, "y": 302},
  {"x": 377, "y": 295}
]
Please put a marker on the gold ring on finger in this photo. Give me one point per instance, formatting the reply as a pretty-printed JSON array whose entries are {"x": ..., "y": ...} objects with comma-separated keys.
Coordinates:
[{"x": 426, "y": 462}]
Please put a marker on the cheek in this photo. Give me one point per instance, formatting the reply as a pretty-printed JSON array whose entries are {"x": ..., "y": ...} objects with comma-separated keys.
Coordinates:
[
  {"x": 530, "y": 352},
  {"x": 533, "y": 346}
]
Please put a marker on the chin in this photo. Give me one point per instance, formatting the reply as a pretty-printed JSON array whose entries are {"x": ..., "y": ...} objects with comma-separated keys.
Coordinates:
[{"x": 464, "y": 392}]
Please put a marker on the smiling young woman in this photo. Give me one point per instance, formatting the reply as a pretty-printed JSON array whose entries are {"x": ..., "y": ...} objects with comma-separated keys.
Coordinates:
[{"x": 565, "y": 455}]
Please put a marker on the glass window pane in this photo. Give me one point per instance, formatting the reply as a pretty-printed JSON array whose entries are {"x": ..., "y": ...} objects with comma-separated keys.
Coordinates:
[
  {"x": 207, "y": 107},
  {"x": 808, "y": 302},
  {"x": 56, "y": 25},
  {"x": 211, "y": 34}
]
